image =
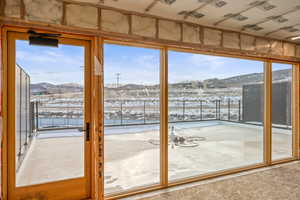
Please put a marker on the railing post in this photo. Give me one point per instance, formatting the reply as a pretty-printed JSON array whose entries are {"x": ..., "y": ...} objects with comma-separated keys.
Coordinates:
[
  {"x": 31, "y": 107},
  {"x": 71, "y": 118},
  {"x": 67, "y": 114},
  {"x": 239, "y": 110},
  {"x": 144, "y": 111},
  {"x": 37, "y": 115},
  {"x": 201, "y": 110},
  {"x": 121, "y": 114},
  {"x": 52, "y": 119},
  {"x": 183, "y": 110},
  {"x": 228, "y": 109},
  {"x": 219, "y": 109},
  {"x": 216, "y": 109}
]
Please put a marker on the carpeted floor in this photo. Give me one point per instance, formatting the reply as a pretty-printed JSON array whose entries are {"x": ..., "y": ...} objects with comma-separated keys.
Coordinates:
[{"x": 278, "y": 183}]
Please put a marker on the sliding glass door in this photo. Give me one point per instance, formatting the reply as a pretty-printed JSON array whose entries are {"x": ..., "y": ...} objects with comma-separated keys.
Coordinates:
[
  {"x": 131, "y": 118},
  {"x": 174, "y": 116},
  {"x": 49, "y": 116},
  {"x": 216, "y": 107}
]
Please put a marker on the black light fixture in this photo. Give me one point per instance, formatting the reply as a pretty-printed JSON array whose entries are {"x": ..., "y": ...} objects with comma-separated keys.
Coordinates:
[
  {"x": 290, "y": 29},
  {"x": 278, "y": 19},
  {"x": 191, "y": 13},
  {"x": 43, "y": 39},
  {"x": 253, "y": 27},
  {"x": 215, "y": 3},
  {"x": 236, "y": 16},
  {"x": 169, "y": 2},
  {"x": 263, "y": 5}
]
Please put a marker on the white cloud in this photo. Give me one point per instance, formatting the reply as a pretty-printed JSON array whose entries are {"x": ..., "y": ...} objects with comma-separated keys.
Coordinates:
[
  {"x": 55, "y": 66},
  {"x": 49, "y": 57},
  {"x": 210, "y": 62}
]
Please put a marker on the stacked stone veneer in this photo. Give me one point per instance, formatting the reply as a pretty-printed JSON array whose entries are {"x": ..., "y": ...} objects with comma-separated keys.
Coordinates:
[{"x": 106, "y": 20}]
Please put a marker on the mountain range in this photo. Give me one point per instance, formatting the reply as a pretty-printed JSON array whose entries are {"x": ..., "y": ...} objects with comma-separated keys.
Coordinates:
[
  {"x": 235, "y": 81},
  {"x": 49, "y": 88}
]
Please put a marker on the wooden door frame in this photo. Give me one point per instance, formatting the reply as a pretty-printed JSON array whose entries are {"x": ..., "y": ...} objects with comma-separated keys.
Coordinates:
[
  {"x": 96, "y": 41},
  {"x": 10, "y": 34}
]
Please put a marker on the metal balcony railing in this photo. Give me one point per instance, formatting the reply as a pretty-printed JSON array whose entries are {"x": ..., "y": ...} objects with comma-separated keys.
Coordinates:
[{"x": 136, "y": 112}]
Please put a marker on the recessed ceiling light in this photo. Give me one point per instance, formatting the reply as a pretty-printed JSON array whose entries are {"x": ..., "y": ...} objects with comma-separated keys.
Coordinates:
[{"x": 295, "y": 38}]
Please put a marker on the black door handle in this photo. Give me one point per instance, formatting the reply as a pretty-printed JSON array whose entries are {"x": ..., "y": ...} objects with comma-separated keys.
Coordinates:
[{"x": 87, "y": 131}]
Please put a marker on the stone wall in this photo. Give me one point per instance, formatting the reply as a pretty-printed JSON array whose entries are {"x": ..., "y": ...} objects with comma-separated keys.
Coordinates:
[{"x": 112, "y": 21}]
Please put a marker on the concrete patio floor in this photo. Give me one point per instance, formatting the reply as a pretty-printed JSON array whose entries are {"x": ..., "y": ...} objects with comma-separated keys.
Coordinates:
[
  {"x": 53, "y": 156},
  {"x": 132, "y": 160},
  {"x": 132, "y": 155}
]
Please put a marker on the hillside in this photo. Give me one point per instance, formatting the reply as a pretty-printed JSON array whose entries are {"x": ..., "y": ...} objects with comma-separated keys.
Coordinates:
[
  {"x": 48, "y": 88},
  {"x": 235, "y": 81}
]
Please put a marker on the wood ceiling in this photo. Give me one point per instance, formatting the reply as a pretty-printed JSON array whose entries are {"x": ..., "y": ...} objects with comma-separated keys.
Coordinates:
[{"x": 271, "y": 18}]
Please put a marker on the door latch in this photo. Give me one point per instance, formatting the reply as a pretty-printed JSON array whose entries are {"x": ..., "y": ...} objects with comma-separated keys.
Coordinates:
[{"x": 87, "y": 131}]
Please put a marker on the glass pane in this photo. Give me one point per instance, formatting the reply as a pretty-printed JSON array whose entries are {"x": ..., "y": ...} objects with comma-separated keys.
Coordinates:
[
  {"x": 49, "y": 107},
  {"x": 215, "y": 114},
  {"x": 132, "y": 116},
  {"x": 282, "y": 136}
]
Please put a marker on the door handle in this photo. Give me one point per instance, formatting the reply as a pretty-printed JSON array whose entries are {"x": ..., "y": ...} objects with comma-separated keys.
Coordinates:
[{"x": 87, "y": 131}]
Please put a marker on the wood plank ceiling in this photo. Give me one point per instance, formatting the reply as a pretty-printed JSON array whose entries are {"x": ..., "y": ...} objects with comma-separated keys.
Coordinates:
[{"x": 271, "y": 18}]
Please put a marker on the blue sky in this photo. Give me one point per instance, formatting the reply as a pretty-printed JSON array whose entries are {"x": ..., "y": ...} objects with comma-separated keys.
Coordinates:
[
  {"x": 187, "y": 66},
  {"x": 136, "y": 65},
  {"x": 53, "y": 65},
  {"x": 280, "y": 66},
  {"x": 141, "y": 65}
]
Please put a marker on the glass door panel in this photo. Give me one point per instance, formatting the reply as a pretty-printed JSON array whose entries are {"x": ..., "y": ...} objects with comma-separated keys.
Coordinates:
[
  {"x": 50, "y": 114},
  {"x": 49, "y": 92},
  {"x": 131, "y": 118},
  {"x": 282, "y": 134},
  {"x": 216, "y": 107}
]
